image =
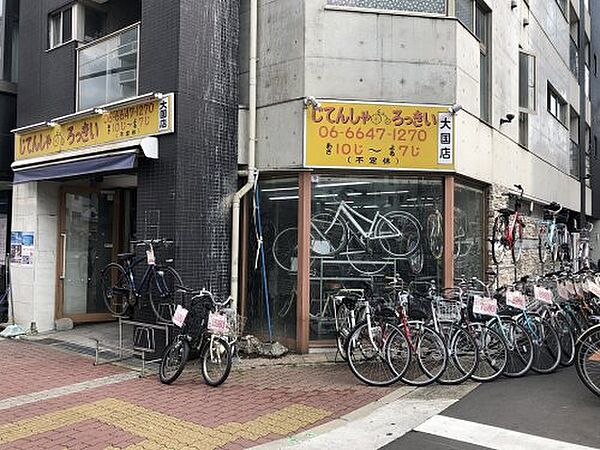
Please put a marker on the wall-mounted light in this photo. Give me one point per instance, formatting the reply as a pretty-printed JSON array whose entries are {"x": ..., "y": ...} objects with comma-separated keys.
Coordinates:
[
  {"x": 525, "y": 21},
  {"x": 100, "y": 111},
  {"x": 513, "y": 4},
  {"x": 310, "y": 100},
  {"x": 509, "y": 119},
  {"x": 52, "y": 124},
  {"x": 455, "y": 108}
]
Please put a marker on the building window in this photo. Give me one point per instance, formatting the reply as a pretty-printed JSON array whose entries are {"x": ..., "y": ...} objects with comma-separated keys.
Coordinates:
[
  {"x": 406, "y": 219},
  {"x": 574, "y": 44},
  {"x": 9, "y": 42},
  {"x": 418, "y": 6},
  {"x": 526, "y": 81},
  {"x": 469, "y": 244},
  {"x": 60, "y": 27},
  {"x": 524, "y": 129},
  {"x": 80, "y": 22},
  {"x": 574, "y": 143},
  {"x": 557, "y": 106},
  {"x": 108, "y": 69}
]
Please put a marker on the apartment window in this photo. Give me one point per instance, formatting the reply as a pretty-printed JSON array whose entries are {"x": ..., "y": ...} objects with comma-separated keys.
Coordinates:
[
  {"x": 78, "y": 21},
  {"x": 9, "y": 42},
  {"x": 60, "y": 27},
  {"x": 524, "y": 129},
  {"x": 418, "y": 6},
  {"x": 574, "y": 143},
  {"x": 557, "y": 106},
  {"x": 476, "y": 17},
  {"x": 574, "y": 43},
  {"x": 108, "y": 69},
  {"x": 526, "y": 81}
]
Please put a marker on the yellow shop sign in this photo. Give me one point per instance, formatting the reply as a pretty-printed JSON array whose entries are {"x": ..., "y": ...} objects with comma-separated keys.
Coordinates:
[
  {"x": 156, "y": 116},
  {"x": 379, "y": 136}
]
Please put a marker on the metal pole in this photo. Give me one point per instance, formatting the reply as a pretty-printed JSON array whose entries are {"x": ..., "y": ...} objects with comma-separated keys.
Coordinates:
[{"x": 582, "y": 118}]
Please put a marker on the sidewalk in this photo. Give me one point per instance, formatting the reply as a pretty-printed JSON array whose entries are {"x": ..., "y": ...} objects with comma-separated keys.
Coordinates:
[{"x": 53, "y": 399}]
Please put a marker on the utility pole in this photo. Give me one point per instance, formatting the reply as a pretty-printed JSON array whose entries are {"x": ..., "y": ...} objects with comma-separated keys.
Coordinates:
[{"x": 582, "y": 119}]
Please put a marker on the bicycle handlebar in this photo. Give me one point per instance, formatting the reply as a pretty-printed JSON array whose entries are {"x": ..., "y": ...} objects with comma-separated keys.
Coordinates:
[{"x": 144, "y": 242}]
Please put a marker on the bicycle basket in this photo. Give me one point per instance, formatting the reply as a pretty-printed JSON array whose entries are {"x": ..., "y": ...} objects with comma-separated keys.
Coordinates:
[
  {"x": 447, "y": 310},
  {"x": 235, "y": 322}
]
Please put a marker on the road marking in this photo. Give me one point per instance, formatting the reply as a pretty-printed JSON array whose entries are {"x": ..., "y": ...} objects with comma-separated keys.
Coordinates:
[
  {"x": 21, "y": 400},
  {"x": 489, "y": 436}
]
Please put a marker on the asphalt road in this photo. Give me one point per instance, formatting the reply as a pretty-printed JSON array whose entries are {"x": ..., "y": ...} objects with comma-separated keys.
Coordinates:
[{"x": 537, "y": 411}]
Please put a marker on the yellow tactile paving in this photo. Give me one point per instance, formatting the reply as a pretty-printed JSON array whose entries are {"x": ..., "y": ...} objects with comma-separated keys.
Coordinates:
[{"x": 162, "y": 431}]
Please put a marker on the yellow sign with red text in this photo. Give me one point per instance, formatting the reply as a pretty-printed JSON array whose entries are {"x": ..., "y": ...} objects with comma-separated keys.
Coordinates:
[
  {"x": 379, "y": 136},
  {"x": 128, "y": 122}
]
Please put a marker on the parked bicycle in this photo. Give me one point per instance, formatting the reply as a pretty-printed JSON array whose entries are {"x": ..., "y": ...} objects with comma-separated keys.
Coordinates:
[
  {"x": 507, "y": 232},
  {"x": 553, "y": 236},
  {"x": 122, "y": 291},
  {"x": 208, "y": 329}
]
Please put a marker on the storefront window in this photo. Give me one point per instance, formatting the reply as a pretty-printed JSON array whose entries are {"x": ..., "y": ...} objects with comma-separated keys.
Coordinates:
[
  {"x": 279, "y": 217},
  {"x": 366, "y": 229},
  {"x": 468, "y": 231}
]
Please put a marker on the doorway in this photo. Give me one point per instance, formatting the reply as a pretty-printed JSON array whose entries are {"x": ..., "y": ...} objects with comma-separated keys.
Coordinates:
[{"x": 94, "y": 226}]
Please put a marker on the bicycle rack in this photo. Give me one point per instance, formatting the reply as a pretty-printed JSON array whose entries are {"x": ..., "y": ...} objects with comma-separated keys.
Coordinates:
[{"x": 144, "y": 341}]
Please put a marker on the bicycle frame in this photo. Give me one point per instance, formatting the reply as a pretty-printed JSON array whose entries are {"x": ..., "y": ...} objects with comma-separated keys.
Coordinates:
[
  {"x": 352, "y": 217},
  {"x": 148, "y": 274}
]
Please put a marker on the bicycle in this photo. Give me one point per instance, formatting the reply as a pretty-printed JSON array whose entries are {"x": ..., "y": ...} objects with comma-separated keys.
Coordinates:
[
  {"x": 397, "y": 233},
  {"x": 583, "y": 246},
  {"x": 507, "y": 232},
  {"x": 122, "y": 292},
  {"x": 435, "y": 234},
  {"x": 204, "y": 329},
  {"x": 587, "y": 359},
  {"x": 553, "y": 236},
  {"x": 349, "y": 307}
]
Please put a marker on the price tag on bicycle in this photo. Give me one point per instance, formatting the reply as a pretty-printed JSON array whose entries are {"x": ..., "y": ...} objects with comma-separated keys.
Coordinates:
[
  {"x": 485, "y": 306},
  {"x": 578, "y": 289},
  {"x": 593, "y": 288},
  {"x": 179, "y": 316},
  {"x": 570, "y": 286},
  {"x": 542, "y": 294},
  {"x": 516, "y": 299},
  {"x": 217, "y": 323},
  {"x": 150, "y": 258},
  {"x": 562, "y": 290}
]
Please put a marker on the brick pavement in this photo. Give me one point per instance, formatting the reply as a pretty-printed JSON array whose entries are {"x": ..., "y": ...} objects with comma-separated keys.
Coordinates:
[{"x": 254, "y": 406}]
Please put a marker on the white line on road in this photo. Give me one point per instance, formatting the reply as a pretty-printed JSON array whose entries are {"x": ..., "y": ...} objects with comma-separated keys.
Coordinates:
[
  {"x": 489, "y": 436},
  {"x": 21, "y": 400}
]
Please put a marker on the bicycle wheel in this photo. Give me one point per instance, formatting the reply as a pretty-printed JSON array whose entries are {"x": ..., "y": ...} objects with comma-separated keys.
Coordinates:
[
  {"x": 216, "y": 359},
  {"x": 587, "y": 359},
  {"x": 399, "y": 233},
  {"x": 499, "y": 239},
  {"x": 365, "y": 259},
  {"x": 328, "y": 234},
  {"x": 416, "y": 260},
  {"x": 544, "y": 250},
  {"x": 285, "y": 250},
  {"x": 368, "y": 355},
  {"x": 428, "y": 358},
  {"x": 546, "y": 344},
  {"x": 493, "y": 353},
  {"x": 173, "y": 360},
  {"x": 463, "y": 356},
  {"x": 519, "y": 345},
  {"x": 517, "y": 244},
  {"x": 435, "y": 235},
  {"x": 161, "y": 292},
  {"x": 116, "y": 289},
  {"x": 343, "y": 325},
  {"x": 567, "y": 339}
]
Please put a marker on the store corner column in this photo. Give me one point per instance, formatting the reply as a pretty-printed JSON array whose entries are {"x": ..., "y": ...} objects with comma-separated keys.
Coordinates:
[{"x": 33, "y": 279}]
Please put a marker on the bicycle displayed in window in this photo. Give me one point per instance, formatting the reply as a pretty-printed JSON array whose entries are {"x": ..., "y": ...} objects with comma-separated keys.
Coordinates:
[
  {"x": 366, "y": 242},
  {"x": 507, "y": 233},
  {"x": 122, "y": 292}
]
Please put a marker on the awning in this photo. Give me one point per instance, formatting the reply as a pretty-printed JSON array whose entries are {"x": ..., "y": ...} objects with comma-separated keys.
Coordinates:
[
  {"x": 109, "y": 158},
  {"x": 108, "y": 163}
]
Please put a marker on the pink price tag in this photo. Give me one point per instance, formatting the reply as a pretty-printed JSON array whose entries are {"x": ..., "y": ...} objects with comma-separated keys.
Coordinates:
[
  {"x": 515, "y": 299},
  {"x": 179, "y": 316},
  {"x": 485, "y": 306},
  {"x": 563, "y": 292},
  {"x": 542, "y": 294},
  {"x": 217, "y": 323},
  {"x": 150, "y": 258},
  {"x": 594, "y": 288}
]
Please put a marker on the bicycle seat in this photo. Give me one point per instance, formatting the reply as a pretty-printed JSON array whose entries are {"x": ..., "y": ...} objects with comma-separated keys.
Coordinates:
[
  {"x": 126, "y": 256},
  {"x": 506, "y": 211}
]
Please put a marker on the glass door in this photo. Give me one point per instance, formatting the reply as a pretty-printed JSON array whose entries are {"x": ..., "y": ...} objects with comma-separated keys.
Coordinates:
[{"x": 87, "y": 243}]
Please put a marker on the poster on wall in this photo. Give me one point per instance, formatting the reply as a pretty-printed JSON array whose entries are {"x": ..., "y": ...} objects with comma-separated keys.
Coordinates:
[
  {"x": 3, "y": 229},
  {"x": 22, "y": 247}
]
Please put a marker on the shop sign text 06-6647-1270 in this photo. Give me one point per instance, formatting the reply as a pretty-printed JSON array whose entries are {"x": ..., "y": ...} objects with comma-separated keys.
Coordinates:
[
  {"x": 379, "y": 136},
  {"x": 122, "y": 123}
]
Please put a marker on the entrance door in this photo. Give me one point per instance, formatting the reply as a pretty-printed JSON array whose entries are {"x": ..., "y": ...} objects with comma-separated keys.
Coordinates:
[{"x": 88, "y": 241}]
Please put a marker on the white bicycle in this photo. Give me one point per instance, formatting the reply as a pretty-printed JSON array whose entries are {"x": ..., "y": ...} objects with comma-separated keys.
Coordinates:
[{"x": 367, "y": 243}]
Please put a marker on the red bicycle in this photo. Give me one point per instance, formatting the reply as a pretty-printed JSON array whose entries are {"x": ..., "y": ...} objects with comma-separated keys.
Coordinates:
[{"x": 507, "y": 234}]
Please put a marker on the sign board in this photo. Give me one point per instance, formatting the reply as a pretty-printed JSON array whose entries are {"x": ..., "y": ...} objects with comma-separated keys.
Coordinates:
[
  {"x": 516, "y": 299},
  {"x": 485, "y": 306},
  {"x": 542, "y": 294},
  {"x": 156, "y": 116},
  {"x": 22, "y": 247},
  {"x": 379, "y": 136}
]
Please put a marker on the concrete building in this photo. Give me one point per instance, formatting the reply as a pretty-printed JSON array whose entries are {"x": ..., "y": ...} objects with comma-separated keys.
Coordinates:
[
  {"x": 123, "y": 108},
  {"x": 371, "y": 70}
]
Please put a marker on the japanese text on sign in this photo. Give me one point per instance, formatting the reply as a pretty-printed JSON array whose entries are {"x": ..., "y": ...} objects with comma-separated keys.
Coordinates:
[
  {"x": 485, "y": 306},
  {"x": 150, "y": 118},
  {"x": 374, "y": 136}
]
